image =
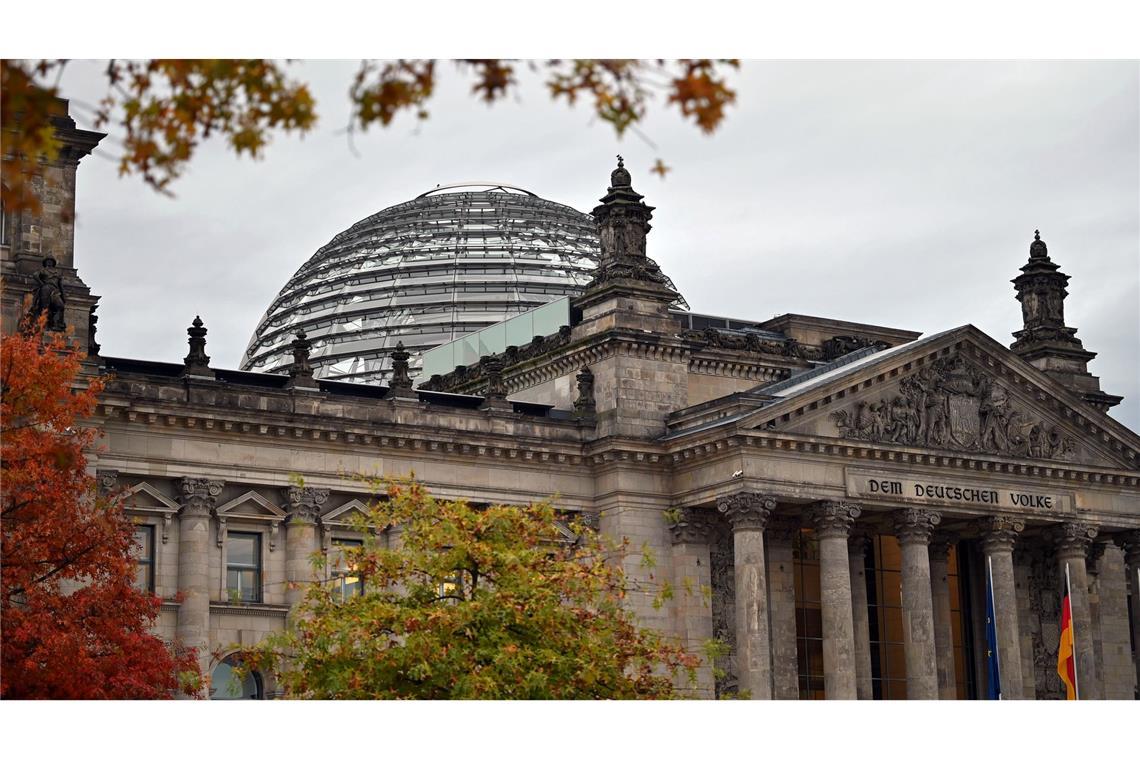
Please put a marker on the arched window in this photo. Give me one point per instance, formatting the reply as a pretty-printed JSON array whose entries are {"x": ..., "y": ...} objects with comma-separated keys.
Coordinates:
[{"x": 224, "y": 683}]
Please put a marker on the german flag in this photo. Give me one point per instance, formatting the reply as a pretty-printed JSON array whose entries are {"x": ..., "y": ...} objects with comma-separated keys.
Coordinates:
[{"x": 1066, "y": 656}]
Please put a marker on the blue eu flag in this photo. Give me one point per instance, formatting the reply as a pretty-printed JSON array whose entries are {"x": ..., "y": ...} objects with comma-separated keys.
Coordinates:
[{"x": 993, "y": 690}]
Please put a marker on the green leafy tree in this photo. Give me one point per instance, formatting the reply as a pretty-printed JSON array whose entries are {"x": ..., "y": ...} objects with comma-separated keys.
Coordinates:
[{"x": 471, "y": 603}]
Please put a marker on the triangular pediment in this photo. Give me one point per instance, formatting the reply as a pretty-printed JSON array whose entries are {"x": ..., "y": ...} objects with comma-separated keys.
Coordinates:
[
  {"x": 252, "y": 505},
  {"x": 143, "y": 497},
  {"x": 956, "y": 391},
  {"x": 343, "y": 515}
]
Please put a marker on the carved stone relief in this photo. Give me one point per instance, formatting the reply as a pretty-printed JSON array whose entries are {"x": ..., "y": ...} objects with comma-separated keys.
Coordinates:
[
  {"x": 1044, "y": 621},
  {"x": 952, "y": 404}
]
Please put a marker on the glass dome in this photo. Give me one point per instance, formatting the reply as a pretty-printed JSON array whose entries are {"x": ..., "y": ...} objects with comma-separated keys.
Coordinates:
[{"x": 453, "y": 260}]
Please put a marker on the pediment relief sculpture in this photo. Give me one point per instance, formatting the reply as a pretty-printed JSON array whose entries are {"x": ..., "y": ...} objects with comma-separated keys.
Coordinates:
[{"x": 952, "y": 404}]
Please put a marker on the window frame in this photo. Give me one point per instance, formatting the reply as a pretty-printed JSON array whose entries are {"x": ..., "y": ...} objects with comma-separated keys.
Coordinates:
[
  {"x": 338, "y": 575},
  {"x": 258, "y": 567},
  {"x": 149, "y": 560}
]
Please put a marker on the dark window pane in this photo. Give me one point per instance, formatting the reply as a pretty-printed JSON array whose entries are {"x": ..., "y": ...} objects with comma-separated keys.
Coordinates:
[{"x": 241, "y": 549}]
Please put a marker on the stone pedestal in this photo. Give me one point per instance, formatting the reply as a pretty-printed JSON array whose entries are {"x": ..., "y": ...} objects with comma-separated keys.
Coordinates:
[
  {"x": 832, "y": 522},
  {"x": 940, "y": 547},
  {"x": 858, "y": 546},
  {"x": 781, "y": 533},
  {"x": 913, "y": 528},
  {"x": 1071, "y": 542},
  {"x": 748, "y": 513},
  {"x": 691, "y": 607},
  {"x": 998, "y": 537},
  {"x": 198, "y": 496}
]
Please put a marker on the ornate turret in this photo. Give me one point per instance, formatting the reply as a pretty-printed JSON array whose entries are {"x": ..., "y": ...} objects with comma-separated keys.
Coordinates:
[
  {"x": 1044, "y": 340},
  {"x": 623, "y": 223},
  {"x": 301, "y": 371}
]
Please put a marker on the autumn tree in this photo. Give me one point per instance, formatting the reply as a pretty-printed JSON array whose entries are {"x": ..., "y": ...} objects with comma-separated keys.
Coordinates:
[
  {"x": 161, "y": 109},
  {"x": 470, "y": 603},
  {"x": 73, "y": 626}
]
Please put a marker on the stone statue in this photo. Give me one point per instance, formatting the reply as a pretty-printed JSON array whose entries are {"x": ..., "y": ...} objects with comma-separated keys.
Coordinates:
[{"x": 49, "y": 298}]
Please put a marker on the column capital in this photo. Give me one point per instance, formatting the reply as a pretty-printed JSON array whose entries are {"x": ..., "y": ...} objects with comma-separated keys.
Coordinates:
[
  {"x": 198, "y": 496},
  {"x": 691, "y": 526},
  {"x": 304, "y": 503},
  {"x": 746, "y": 511},
  {"x": 999, "y": 533},
  {"x": 783, "y": 527},
  {"x": 940, "y": 543},
  {"x": 833, "y": 519},
  {"x": 1129, "y": 541},
  {"x": 915, "y": 525},
  {"x": 1071, "y": 539}
]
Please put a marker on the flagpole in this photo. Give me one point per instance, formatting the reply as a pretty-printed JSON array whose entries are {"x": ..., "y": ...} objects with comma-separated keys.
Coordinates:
[
  {"x": 993, "y": 604},
  {"x": 1072, "y": 632}
]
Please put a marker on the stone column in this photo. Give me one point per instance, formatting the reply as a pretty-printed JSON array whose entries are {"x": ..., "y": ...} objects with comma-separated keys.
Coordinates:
[
  {"x": 1116, "y": 649},
  {"x": 781, "y": 533},
  {"x": 998, "y": 537},
  {"x": 832, "y": 521},
  {"x": 301, "y": 540},
  {"x": 748, "y": 513},
  {"x": 1071, "y": 541},
  {"x": 198, "y": 497},
  {"x": 943, "y": 621},
  {"x": 858, "y": 546},
  {"x": 913, "y": 528},
  {"x": 691, "y": 576},
  {"x": 1130, "y": 541}
]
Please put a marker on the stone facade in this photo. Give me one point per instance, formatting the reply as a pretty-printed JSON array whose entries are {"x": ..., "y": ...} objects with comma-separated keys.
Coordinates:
[{"x": 853, "y": 439}]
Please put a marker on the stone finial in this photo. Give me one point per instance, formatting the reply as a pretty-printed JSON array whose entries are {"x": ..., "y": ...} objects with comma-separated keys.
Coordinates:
[
  {"x": 619, "y": 177},
  {"x": 691, "y": 526},
  {"x": 496, "y": 394},
  {"x": 300, "y": 371},
  {"x": 831, "y": 519},
  {"x": 401, "y": 382},
  {"x": 197, "y": 363},
  {"x": 305, "y": 502},
  {"x": 1038, "y": 249},
  {"x": 746, "y": 511},
  {"x": 915, "y": 525},
  {"x": 92, "y": 321},
  {"x": 585, "y": 405},
  {"x": 1072, "y": 539},
  {"x": 999, "y": 533},
  {"x": 198, "y": 496}
]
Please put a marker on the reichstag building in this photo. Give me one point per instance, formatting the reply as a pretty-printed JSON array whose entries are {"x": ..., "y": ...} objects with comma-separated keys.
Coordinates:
[{"x": 843, "y": 489}]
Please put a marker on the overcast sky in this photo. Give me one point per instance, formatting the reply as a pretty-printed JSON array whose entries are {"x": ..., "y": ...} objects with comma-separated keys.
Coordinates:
[{"x": 901, "y": 194}]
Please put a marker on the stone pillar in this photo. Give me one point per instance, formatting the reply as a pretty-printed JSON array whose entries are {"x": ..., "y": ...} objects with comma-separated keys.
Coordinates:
[
  {"x": 1026, "y": 619},
  {"x": 913, "y": 528},
  {"x": 1116, "y": 649},
  {"x": 1071, "y": 541},
  {"x": 998, "y": 537},
  {"x": 1131, "y": 543},
  {"x": 858, "y": 546},
  {"x": 943, "y": 621},
  {"x": 198, "y": 497},
  {"x": 832, "y": 521},
  {"x": 748, "y": 513},
  {"x": 301, "y": 540},
  {"x": 691, "y": 577},
  {"x": 781, "y": 533}
]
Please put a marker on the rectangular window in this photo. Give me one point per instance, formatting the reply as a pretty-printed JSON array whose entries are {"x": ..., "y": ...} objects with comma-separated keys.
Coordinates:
[
  {"x": 144, "y": 558},
  {"x": 345, "y": 582},
  {"x": 243, "y": 567}
]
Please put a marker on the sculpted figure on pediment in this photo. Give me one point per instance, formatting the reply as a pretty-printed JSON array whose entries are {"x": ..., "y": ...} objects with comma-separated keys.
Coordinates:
[{"x": 951, "y": 404}]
